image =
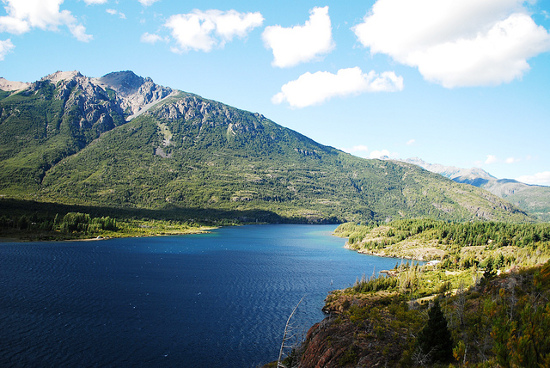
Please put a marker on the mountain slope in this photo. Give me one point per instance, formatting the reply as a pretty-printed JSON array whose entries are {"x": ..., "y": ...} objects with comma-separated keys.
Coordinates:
[
  {"x": 534, "y": 199},
  {"x": 48, "y": 121},
  {"x": 155, "y": 148}
]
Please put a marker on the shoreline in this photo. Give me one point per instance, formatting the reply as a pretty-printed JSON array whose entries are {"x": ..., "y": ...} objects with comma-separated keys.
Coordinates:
[
  {"x": 201, "y": 230},
  {"x": 28, "y": 237},
  {"x": 372, "y": 253}
]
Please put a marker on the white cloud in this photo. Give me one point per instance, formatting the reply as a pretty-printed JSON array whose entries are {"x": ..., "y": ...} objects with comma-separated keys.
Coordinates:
[
  {"x": 23, "y": 15},
  {"x": 299, "y": 44},
  {"x": 491, "y": 159},
  {"x": 312, "y": 89},
  {"x": 382, "y": 154},
  {"x": 356, "y": 149},
  {"x": 5, "y": 48},
  {"x": 202, "y": 31},
  {"x": 512, "y": 160},
  {"x": 411, "y": 142},
  {"x": 542, "y": 178},
  {"x": 362, "y": 151},
  {"x": 14, "y": 25},
  {"x": 147, "y": 2},
  {"x": 456, "y": 43},
  {"x": 116, "y": 12},
  {"x": 151, "y": 38},
  {"x": 95, "y": 2},
  {"x": 79, "y": 32}
]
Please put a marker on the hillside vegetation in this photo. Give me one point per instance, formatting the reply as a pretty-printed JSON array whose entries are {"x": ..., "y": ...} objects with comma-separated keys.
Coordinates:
[
  {"x": 71, "y": 141},
  {"x": 534, "y": 199},
  {"x": 492, "y": 290},
  {"x": 456, "y": 245}
]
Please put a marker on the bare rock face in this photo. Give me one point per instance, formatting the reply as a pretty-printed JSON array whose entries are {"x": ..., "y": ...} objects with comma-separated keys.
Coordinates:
[
  {"x": 134, "y": 93},
  {"x": 199, "y": 111},
  {"x": 89, "y": 105},
  {"x": 60, "y": 76},
  {"x": 97, "y": 104},
  {"x": 6, "y": 85},
  {"x": 126, "y": 82}
]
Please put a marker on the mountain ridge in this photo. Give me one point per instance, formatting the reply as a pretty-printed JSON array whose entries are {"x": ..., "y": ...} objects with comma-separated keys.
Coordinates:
[
  {"x": 532, "y": 198},
  {"x": 122, "y": 140}
]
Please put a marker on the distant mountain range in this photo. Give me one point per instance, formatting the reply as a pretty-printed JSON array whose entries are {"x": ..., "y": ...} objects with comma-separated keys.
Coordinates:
[
  {"x": 534, "y": 199},
  {"x": 122, "y": 141}
]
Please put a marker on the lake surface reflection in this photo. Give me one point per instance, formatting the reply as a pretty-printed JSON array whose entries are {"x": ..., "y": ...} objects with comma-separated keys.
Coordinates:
[{"x": 213, "y": 300}]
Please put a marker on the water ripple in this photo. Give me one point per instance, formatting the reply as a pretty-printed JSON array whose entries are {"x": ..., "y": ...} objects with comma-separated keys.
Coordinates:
[{"x": 216, "y": 300}]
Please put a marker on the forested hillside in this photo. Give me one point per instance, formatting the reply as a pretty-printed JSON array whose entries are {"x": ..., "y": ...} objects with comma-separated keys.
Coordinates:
[
  {"x": 69, "y": 139},
  {"x": 482, "y": 301}
]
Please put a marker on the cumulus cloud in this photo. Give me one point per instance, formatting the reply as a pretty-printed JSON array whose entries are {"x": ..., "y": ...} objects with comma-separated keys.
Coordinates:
[
  {"x": 542, "y": 178},
  {"x": 24, "y": 15},
  {"x": 79, "y": 32},
  {"x": 95, "y": 2},
  {"x": 456, "y": 43},
  {"x": 512, "y": 160},
  {"x": 5, "y": 48},
  {"x": 299, "y": 44},
  {"x": 205, "y": 30},
  {"x": 313, "y": 89},
  {"x": 411, "y": 142},
  {"x": 491, "y": 159}
]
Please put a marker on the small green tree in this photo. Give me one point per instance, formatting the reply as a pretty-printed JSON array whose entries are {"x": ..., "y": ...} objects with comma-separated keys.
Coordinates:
[
  {"x": 434, "y": 341},
  {"x": 489, "y": 269}
]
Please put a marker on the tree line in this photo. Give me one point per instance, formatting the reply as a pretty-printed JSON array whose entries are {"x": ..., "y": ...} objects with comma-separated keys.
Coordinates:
[{"x": 72, "y": 222}]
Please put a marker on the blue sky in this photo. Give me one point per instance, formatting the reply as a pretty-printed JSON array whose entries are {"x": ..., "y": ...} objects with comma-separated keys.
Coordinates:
[{"x": 463, "y": 83}]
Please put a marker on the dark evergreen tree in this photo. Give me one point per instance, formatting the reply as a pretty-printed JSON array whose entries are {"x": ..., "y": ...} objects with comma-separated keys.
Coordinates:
[
  {"x": 23, "y": 222},
  {"x": 435, "y": 339}
]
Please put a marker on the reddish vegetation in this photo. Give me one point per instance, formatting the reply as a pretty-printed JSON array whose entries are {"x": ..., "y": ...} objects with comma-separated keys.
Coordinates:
[{"x": 358, "y": 332}]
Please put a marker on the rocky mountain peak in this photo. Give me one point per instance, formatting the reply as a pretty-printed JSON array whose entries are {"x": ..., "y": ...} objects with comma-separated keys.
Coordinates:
[
  {"x": 124, "y": 82},
  {"x": 135, "y": 94},
  {"x": 62, "y": 76}
]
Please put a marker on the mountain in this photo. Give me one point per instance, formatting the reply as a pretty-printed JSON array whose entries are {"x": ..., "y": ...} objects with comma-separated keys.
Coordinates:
[
  {"x": 122, "y": 141},
  {"x": 534, "y": 199},
  {"x": 474, "y": 176}
]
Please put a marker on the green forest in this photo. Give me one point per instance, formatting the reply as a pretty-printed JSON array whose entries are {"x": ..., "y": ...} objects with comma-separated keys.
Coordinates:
[
  {"x": 485, "y": 303},
  {"x": 24, "y": 220}
]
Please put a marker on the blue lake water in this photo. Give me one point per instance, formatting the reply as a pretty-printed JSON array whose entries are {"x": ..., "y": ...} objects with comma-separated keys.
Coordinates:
[{"x": 213, "y": 300}]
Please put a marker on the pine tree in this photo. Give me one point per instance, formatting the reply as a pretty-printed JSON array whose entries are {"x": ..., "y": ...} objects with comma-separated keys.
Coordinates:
[{"x": 434, "y": 340}]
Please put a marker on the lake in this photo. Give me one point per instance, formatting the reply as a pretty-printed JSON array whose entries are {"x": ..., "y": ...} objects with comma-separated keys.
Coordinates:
[{"x": 211, "y": 300}]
